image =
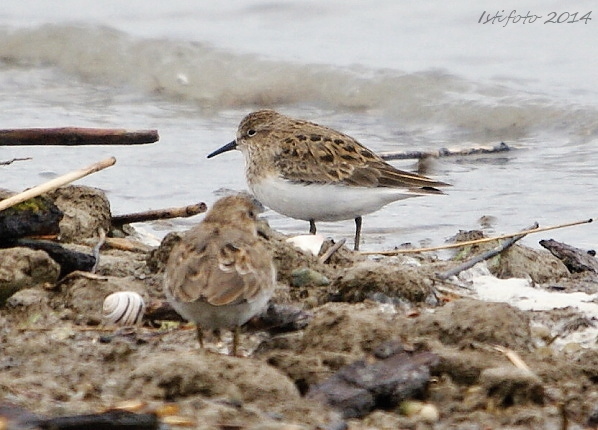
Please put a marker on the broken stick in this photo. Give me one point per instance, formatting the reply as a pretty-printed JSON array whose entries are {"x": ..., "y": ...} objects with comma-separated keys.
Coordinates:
[
  {"x": 153, "y": 215},
  {"x": 74, "y": 136},
  {"x": 445, "y": 152},
  {"x": 56, "y": 183}
]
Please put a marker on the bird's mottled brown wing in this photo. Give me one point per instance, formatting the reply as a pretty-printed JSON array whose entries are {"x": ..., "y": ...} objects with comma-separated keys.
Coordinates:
[
  {"x": 218, "y": 268},
  {"x": 313, "y": 153}
]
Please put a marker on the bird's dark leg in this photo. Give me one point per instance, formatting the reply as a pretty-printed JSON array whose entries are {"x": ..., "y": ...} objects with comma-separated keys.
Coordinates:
[
  {"x": 235, "y": 340},
  {"x": 199, "y": 335},
  {"x": 312, "y": 226},
  {"x": 357, "y": 233}
]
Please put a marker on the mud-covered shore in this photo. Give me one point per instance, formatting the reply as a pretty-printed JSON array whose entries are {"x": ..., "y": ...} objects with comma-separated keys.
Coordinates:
[{"x": 356, "y": 315}]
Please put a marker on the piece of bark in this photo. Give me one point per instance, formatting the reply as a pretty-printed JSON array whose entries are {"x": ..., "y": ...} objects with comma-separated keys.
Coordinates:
[
  {"x": 75, "y": 136},
  {"x": 38, "y": 216},
  {"x": 577, "y": 260},
  {"x": 68, "y": 260},
  {"x": 152, "y": 215}
]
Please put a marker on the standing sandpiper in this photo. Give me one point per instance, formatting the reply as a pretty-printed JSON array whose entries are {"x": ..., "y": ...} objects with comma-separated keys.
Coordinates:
[
  {"x": 220, "y": 275},
  {"x": 314, "y": 173}
]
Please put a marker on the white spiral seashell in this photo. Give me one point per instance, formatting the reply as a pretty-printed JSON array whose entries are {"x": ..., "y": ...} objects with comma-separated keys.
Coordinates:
[{"x": 123, "y": 308}]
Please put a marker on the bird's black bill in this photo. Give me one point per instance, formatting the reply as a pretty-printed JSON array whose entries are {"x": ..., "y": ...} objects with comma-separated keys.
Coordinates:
[{"x": 228, "y": 147}]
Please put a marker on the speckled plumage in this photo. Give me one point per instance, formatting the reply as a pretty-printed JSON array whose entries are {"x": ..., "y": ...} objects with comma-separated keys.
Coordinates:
[
  {"x": 311, "y": 172},
  {"x": 220, "y": 275}
]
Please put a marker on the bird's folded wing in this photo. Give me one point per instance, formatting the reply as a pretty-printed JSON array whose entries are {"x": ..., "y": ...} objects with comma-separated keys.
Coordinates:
[{"x": 219, "y": 274}]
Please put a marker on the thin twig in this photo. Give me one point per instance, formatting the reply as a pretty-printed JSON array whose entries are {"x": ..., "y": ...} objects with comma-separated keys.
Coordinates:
[
  {"x": 56, "y": 183},
  {"x": 324, "y": 257},
  {"x": 476, "y": 241},
  {"x": 124, "y": 244},
  {"x": 484, "y": 256},
  {"x": 6, "y": 163},
  {"x": 513, "y": 357}
]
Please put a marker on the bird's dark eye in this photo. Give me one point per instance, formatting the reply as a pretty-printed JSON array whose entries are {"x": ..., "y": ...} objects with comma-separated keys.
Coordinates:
[
  {"x": 251, "y": 214},
  {"x": 251, "y": 132}
]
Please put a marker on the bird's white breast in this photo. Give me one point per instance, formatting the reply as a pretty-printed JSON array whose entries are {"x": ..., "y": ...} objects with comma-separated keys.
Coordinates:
[{"x": 323, "y": 202}]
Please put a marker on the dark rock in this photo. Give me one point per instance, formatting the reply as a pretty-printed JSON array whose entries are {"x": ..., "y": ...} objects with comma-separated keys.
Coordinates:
[
  {"x": 281, "y": 318},
  {"x": 351, "y": 401},
  {"x": 68, "y": 260},
  {"x": 576, "y": 260},
  {"x": 36, "y": 216},
  {"x": 360, "y": 387}
]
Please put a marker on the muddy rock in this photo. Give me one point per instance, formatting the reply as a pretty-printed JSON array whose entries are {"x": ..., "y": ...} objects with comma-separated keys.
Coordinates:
[
  {"x": 157, "y": 258},
  {"x": 369, "y": 279},
  {"x": 227, "y": 388},
  {"x": 170, "y": 377},
  {"x": 23, "y": 268},
  {"x": 510, "y": 386},
  {"x": 462, "y": 322},
  {"x": 522, "y": 262},
  {"x": 463, "y": 366},
  {"x": 85, "y": 210},
  {"x": 347, "y": 329}
]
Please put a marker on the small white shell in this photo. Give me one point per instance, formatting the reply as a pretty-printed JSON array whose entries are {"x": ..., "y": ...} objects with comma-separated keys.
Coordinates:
[
  {"x": 308, "y": 242},
  {"x": 123, "y": 308}
]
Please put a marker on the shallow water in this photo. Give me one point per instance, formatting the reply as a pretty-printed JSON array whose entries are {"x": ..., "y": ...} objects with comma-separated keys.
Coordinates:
[{"x": 396, "y": 77}]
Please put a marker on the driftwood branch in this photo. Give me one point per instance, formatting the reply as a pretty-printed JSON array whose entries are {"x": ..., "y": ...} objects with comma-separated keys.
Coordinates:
[
  {"x": 6, "y": 163},
  {"x": 56, "y": 183},
  {"x": 445, "y": 152},
  {"x": 483, "y": 256},
  {"x": 181, "y": 212},
  {"x": 576, "y": 260},
  {"x": 74, "y": 136}
]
